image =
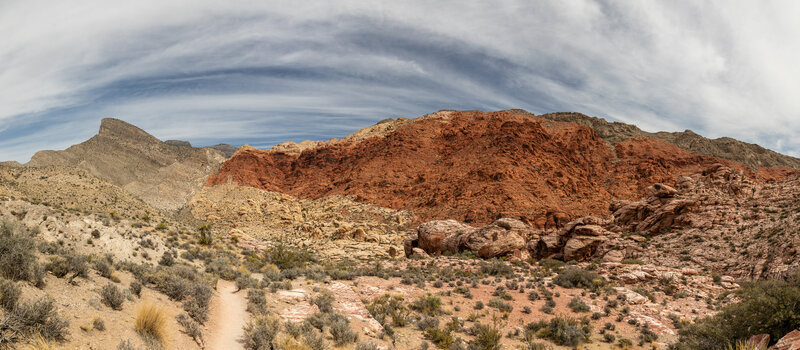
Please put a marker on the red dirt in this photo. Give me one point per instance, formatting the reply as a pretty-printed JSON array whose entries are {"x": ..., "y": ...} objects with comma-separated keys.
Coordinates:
[{"x": 475, "y": 167}]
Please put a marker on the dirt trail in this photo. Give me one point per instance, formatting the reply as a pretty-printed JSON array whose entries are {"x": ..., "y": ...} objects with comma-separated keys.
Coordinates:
[{"x": 227, "y": 316}]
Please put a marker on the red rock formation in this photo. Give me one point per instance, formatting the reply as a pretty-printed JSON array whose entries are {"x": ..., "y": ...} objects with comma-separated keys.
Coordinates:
[{"x": 474, "y": 167}]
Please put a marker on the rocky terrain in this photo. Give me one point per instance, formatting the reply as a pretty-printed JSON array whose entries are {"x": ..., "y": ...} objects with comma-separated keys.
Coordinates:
[
  {"x": 453, "y": 230},
  {"x": 717, "y": 220},
  {"x": 472, "y": 166},
  {"x": 338, "y": 226},
  {"x": 164, "y": 175}
]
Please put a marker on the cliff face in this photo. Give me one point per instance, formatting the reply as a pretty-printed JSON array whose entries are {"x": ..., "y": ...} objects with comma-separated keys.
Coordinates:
[
  {"x": 162, "y": 174},
  {"x": 472, "y": 166}
]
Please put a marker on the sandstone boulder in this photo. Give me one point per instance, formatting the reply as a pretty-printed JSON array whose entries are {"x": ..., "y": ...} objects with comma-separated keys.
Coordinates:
[
  {"x": 432, "y": 235},
  {"x": 790, "y": 341}
]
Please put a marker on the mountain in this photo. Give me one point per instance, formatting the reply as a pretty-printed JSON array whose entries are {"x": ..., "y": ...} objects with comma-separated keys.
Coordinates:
[
  {"x": 748, "y": 154},
  {"x": 162, "y": 174},
  {"x": 475, "y": 167}
]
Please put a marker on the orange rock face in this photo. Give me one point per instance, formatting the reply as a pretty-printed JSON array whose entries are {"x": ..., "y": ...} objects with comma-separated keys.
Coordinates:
[{"x": 474, "y": 167}]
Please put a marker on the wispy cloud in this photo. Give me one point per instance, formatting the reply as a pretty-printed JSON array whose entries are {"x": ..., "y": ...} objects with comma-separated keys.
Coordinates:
[{"x": 270, "y": 71}]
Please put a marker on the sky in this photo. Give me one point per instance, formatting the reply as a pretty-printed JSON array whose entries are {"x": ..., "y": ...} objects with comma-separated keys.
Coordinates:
[{"x": 265, "y": 72}]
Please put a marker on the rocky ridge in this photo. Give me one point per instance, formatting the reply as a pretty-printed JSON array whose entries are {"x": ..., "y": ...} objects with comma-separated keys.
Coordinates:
[
  {"x": 474, "y": 167},
  {"x": 748, "y": 154},
  {"x": 164, "y": 175}
]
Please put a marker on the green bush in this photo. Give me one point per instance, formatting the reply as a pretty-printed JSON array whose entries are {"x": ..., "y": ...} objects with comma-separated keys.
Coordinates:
[
  {"x": 389, "y": 306},
  {"x": 286, "y": 257},
  {"x": 442, "y": 338},
  {"x": 573, "y": 277},
  {"x": 771, "y": 307},
  {"x": 429, "y": 305},
  {"x": 565, "y": 331},
  {"x": 487, "y": 337}
]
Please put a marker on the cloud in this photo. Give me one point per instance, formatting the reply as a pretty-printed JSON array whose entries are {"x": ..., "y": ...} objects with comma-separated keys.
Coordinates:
[{"x": 263, "y": 72}]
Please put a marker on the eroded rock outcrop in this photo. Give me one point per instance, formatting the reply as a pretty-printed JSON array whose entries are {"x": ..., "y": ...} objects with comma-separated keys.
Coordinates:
[{"x": 501, "y": 238}]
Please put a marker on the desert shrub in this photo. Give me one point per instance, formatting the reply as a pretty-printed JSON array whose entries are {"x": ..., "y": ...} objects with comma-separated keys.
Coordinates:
[
  {"x": 151, "y": 322},
  {"x": 487, "y": 337},
  {"x": 367, "y": 346},
  {"x": 646, "y": 335},
  {"x": 66, "y": 264},
  {"x": 256, "y": 301},
  {"x": 426, "y": 322},
  {"x": 204, "y": 235},
  {"x": 442, "y": 338},
  {"x": 261, "y": 331},
  {"x": 223, "y": 268},
  {"x": 112, "y": 296},
  {"x": 191, "y": 328},
  {"x": 39, "y": 317},
  {"x": 429, "y": 305},
  {"x": 496, "y": 267},
  {"x": 136, "y": 288},
  {"x": 98, "y": 324},
  {"x": 573, "y": 277},
  {"x": 577, "y": 305},
  {"x": 167, "y": 259},
  {"x": 103, "y": 268},
  {"x": 324, "y": 301},
  {"x": 126, "y": 345},
  {"x": 286, "y": 257},
  {"x": 313, "y": 338},
  {"x": 17, "y": 253},
  {"x": 551, "y": 265},
  {"x": 565, "y": 331},
  {"x": 771, "y": 307},
  {"x": 197, "y": 305},
  {"x": 389, "y": 306},
  {"x": 500, "y": 305},
  {"x": 9, "y": 294},
  {"x": 341, "y": 332}
]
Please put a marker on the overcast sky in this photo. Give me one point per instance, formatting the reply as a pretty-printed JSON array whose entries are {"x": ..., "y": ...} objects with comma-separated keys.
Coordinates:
[{"x": 264, "y": 72}]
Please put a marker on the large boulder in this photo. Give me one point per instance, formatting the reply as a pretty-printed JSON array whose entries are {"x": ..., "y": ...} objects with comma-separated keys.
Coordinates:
[
  {"x": 504, "y": 237},
  {"x": 432, "y": 235}
]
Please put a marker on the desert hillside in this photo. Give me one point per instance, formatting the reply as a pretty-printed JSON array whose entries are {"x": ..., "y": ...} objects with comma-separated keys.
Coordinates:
[
  {"x": 474, "y": 167},
  {"x": 162, "y": 174}
]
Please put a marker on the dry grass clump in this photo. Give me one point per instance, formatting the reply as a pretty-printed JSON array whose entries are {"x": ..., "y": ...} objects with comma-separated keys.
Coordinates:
[{"x": 151, "y": 322}]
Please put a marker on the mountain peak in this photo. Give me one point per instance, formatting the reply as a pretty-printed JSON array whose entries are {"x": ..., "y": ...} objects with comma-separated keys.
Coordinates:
[{"x": 112, "y": 127}]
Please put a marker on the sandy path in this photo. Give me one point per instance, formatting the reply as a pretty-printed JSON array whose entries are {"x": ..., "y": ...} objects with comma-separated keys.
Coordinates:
[{"x": 227, "y": 316}]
